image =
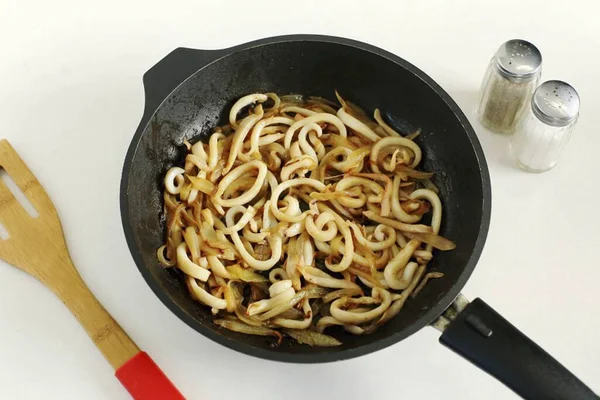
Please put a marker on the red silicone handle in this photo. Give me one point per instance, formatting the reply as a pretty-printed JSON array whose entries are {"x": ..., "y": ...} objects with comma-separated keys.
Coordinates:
[{"x": 144, "y": 380}]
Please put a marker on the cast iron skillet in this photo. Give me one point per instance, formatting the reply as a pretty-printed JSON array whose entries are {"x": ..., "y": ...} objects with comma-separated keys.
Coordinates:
[{"x": 188, "y": 93}]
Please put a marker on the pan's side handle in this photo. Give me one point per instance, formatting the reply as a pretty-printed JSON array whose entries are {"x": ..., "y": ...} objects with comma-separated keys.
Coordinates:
[
  {"x": 485, "y": 338},
  {"x": 170, "y": 72}
]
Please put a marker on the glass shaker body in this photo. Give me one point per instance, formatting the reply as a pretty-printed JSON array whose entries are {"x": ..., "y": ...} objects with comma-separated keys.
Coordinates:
[
  {"x": 546, "y": 127},
  {"x": 510, "y": 80}
]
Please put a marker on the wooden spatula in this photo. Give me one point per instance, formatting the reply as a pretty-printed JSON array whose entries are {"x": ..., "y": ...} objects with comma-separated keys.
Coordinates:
[{"x": 37, "y": 246}]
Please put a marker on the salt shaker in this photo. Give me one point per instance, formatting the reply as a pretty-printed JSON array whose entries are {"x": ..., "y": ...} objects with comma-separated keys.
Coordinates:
[
  {"x": 546, "y": 126},
  {"x": 511, "y": 77}
]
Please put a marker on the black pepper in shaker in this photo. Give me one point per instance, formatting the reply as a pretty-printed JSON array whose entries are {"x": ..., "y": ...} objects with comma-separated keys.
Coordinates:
[{"x": 511, "y": 77}]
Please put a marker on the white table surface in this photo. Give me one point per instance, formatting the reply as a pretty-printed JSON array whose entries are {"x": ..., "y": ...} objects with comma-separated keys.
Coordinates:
[{"x": 71, "y": 97}]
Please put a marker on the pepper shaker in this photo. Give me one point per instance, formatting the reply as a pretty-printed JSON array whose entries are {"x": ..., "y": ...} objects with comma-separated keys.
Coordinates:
[
  {"x": 511, "y": 77},
  {"x": 546, "y": 127}
]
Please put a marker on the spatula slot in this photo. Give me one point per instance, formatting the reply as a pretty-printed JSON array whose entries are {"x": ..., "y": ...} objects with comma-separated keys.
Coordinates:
[
  {"x": 19, "y": 195},
  {"x": 3, "y": 233}
]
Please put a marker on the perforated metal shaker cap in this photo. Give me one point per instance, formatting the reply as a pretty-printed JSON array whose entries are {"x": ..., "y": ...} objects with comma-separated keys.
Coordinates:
[
  {"x": 518, "y": 59},
  {"x": 555, "y": 103}
]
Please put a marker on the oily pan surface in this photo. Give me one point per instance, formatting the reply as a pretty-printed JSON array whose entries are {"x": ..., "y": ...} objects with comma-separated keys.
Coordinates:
[{"x": 317, "y": 69}]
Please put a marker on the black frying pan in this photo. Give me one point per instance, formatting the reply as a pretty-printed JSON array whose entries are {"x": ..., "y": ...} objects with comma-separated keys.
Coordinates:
[{"x": 187, "y": 94}]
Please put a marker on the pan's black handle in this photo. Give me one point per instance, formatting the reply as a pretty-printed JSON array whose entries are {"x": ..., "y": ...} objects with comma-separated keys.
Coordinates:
[
  {"x": 170, "y": 72},
  {"x": 489, "y": 341}
]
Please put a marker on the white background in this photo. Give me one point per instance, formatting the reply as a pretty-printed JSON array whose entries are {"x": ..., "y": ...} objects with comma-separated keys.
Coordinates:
[{"x": 71, "y": 97}]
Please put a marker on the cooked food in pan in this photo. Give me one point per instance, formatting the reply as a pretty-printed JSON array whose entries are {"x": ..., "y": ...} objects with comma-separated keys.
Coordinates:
[{"x": 301, "y": 214}]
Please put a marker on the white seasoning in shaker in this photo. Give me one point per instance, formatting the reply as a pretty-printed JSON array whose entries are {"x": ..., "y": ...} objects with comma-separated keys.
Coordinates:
[
  {"x": 511, "y": 77},
  {"x": 546, "y": 127}
]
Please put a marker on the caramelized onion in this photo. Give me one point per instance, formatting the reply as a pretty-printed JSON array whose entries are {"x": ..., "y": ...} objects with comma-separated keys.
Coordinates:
[{"x": 312, "y": 338}]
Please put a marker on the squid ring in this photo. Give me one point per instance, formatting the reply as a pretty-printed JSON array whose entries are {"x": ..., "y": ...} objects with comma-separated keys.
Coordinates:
[
  {"x": 237, "y": 173},
  {"x": 348, "y": 317},
  {"x": 322, "y": 117}
]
